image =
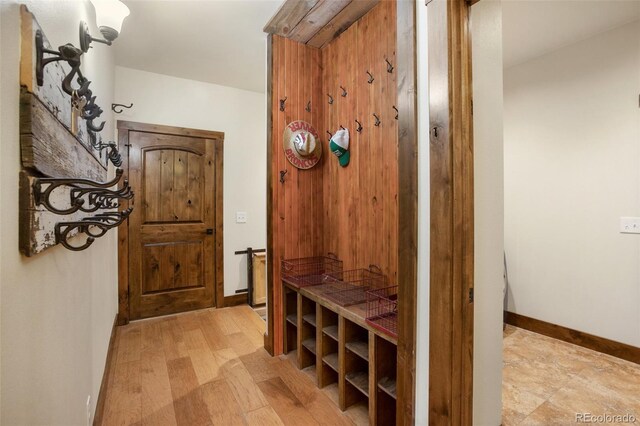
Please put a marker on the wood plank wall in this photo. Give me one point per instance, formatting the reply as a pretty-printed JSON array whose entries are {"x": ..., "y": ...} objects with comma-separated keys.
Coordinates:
[
  {"x": 350, "y": 211},
  {"x": 361, "y": 204},
  {"x": 297, "y": 204}
]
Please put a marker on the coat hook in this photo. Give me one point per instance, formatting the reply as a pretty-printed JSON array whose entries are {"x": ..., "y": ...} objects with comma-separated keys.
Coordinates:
[
  {"x": 389, "y": 66},
  {"x": 330, "y": 135},
  {"x": 330, "y": 99},
  {"x": 282, "y": 101},
  {"x": 344, "y": 92},
  {"x": 370, "y": 78},
  {"x": 282, "y": 175},
  {"x": 394, "y": 107},
  {"x": 308, "y": 107},
  {"x": 342, "y": 127},
  {"x": 377, "y": 123},
  {"x": 359, "y": 128},
  {"x": 114, "y": 107}
]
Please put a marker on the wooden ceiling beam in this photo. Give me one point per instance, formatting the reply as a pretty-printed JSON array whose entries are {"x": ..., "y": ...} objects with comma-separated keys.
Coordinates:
[
  {"x": 321, "y": 14},
  {"x": 289, "y": 16},
  {"x": 343, "y": 20}
]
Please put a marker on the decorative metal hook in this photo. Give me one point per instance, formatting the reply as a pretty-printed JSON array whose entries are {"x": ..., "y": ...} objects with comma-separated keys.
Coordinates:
[
  {"x": 68, "y": 53},
  {"x": 397, "y": 113},
  {"x": 359, "y": 128},
  {"x": 377, "y": 123},
  {"x": 344, "y": 92},
  {"x": 282, "y": 101},
  {"x": 330, "y": 135},
  {"x": 370, "y": 81},
  {"x": 77, "y": 200},
  {"x": 282, "y": 175},
  {"x": 114, "y": 107},
  {"x": 94, "y": 227},
  {"x": 308, "y": 107},
  {"x": 330, "y": 99},
  {"x": 389, "y": 66},
  {"x": 342, "y": 127}
]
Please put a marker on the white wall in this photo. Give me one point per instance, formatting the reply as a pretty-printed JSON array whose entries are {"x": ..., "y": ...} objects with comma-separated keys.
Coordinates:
[
  {"x": 486, "y": 32},
  {"x": 241, "y": 115},
  {"x": 572, "y": 169},
  {"x": 57, "y": 308},
  {"x": 424, "y": 221}
]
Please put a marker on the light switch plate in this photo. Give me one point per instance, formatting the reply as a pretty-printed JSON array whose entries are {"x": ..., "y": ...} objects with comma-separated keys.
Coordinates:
[
  {"x": 630, "y": 225},
  {"x": 241, "y": 217}
]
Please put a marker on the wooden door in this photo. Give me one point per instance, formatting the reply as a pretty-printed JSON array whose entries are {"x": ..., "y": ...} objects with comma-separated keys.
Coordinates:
[{"x": 172, "y": 231}]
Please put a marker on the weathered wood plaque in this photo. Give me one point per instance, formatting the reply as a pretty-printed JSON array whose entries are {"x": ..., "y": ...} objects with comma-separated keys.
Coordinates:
[{"x": 48, "y": 146}]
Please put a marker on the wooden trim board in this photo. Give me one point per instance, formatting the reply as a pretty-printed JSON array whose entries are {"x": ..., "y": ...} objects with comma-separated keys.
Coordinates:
[
  {"x": 123, "y": 231},
  {"x": 451, "y": 177},
  {"x": 106, "y": 375},
  {"x": 268, "y": 336},
  {"x": 579, "y": 338},
  {"x": 406, "y": 67},
  {"x": 234, "y": 300}
]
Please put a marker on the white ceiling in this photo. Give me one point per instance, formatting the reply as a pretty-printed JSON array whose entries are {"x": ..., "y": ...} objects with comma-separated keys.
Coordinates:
[
  {"x": 215, "y": 41},
  {"x": 532, "y": 28},
  {"x": 221, "y": 41}
]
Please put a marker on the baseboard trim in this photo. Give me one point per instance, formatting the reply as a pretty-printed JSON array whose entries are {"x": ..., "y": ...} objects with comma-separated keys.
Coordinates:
[
  {"x": 235, "y": 300},
  {"x": 586, "y": 340},
  {"x": 106, "y": 375}
]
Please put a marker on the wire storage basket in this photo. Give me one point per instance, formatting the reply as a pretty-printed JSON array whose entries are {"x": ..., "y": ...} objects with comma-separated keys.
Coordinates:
[
  {"x": 308, "y": 271},
  {"x": 382, "y": 309},
  {"x": 348, "y": 288}
]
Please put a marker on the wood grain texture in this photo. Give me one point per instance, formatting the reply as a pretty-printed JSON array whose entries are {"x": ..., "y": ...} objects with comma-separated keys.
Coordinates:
[
  {"x": 341, "y": 21},
  {"x": 451, "y": 156},
  {"x": 361, "y": 200},
  {"x": 181, "y": 216},
  {"x": 319, "y": 16},
  {"x": 296, "y": 213},
  {"x": 407, "y": 249},
  {"x": 269, "y": 333},
  {"x": 575, "y": 337},
  {"x": 288, "y": 17}
]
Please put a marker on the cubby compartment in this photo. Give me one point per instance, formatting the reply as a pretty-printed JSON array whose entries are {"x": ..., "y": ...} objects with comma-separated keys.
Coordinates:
[
  {"x": 307, "y": 332},
  {"x": 327, "y": 338},
  {"x": 386, "y": 354},
  {"x": 290, "y": 305},
  {"x": 356, "y": 363}
]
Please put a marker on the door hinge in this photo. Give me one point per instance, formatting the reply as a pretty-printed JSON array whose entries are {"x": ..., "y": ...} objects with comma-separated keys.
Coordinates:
[{"x": 471, "y": 295}]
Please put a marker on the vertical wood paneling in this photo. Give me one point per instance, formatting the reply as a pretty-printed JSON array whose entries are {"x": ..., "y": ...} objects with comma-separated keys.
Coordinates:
[
  {"x": 350, "y": 211},
  {"x": 361, "y": 211}
]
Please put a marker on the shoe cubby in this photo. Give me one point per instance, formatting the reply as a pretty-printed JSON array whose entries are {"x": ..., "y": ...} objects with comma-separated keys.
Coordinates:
[
  {"x": 346, "y": 353},
  {"x": 306, "y": 332},
  {"x": 386, "y": 354},
  {"x": 327, "y": 337},
  {"x": 290, "y": 308}
]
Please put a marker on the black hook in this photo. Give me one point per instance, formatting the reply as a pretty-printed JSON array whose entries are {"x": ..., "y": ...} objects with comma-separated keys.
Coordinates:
[
  {"x": 389, "y": 66},
  {"x": 344, "y": 92},
  {"x": 282, "y": 101},
  {"x": 330, "y": 135},
  {"x": 370, "y": 78},
  {"x": 122, "y": 106},
  {"x": 330, "y": 99},
  {"x": 308, "y": 107},
  {"x": 359, "y": 128},
  {"x": 282, "y": 175},
  {"x": 342, "y": 127},
  {"x": 377, "y": 123},
  {"x": 394, "y": 107}
]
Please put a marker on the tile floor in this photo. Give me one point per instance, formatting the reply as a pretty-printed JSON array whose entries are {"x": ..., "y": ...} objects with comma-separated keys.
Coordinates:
[{"x": 547, "y": 382}]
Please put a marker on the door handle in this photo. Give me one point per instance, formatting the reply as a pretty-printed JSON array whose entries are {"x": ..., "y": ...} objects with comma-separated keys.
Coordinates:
[{"x": 209, "y": 231}]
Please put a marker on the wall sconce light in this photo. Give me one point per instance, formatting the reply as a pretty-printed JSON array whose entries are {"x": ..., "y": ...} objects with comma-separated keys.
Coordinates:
[{"x": 109, "y": 17}]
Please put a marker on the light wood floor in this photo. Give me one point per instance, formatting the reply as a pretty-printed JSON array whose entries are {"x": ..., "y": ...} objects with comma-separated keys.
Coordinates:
[
  {"x": 547, "y": 382},
  {"x": 209, "y": 368}
]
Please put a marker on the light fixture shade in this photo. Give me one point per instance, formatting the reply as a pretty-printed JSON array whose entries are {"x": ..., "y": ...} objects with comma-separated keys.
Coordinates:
[{"x": 110, "y": 14}]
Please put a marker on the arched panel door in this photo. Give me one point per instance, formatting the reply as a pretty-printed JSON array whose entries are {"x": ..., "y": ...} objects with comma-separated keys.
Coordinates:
[{"x": 172, "y": 227}]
